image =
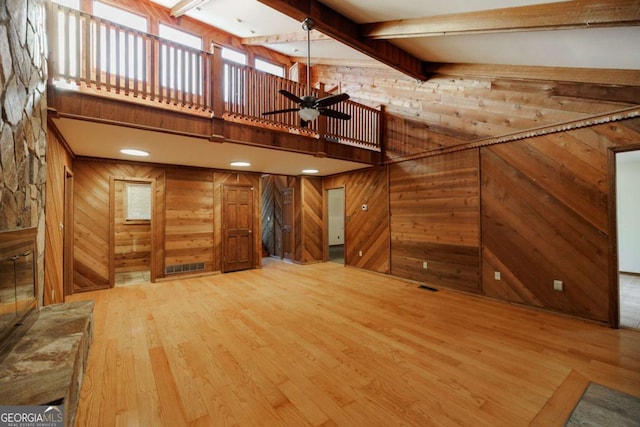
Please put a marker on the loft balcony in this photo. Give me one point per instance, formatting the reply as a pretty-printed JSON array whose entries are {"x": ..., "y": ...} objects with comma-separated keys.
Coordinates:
[{"x": 100, "y": 70}]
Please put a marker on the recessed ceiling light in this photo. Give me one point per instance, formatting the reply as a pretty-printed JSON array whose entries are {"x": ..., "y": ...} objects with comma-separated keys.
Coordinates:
[
  {"x": 133, "y": 152},
  {"x": 310, "y": 171},
  {"x": 240, "y": 164}
]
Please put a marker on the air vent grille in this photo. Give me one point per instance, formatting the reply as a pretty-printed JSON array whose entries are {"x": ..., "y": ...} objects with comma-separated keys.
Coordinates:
[{"x": 184, "y": 268}]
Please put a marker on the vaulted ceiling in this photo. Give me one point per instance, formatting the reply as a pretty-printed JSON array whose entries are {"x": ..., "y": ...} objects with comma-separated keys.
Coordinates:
[{"x": 415, "y": 37}]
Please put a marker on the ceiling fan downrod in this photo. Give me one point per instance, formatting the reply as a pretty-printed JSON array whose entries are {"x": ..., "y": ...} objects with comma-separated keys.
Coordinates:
[{"x": 308, "y": 25}]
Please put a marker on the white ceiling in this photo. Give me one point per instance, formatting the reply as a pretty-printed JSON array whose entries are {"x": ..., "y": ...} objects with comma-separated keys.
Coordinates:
[
  {"x": 106, "y": 141},
  {"x": 610, "y": 48}
]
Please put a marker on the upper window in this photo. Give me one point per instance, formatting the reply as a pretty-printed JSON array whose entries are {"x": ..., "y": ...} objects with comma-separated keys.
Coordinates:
[
  {"x": 234, "y": 55},
  {"x": 179, "y": 36},
  {"x": 269, "y": 67},
  {"x": 72, "y": 4},
  {"x": 119, "y": 16}
]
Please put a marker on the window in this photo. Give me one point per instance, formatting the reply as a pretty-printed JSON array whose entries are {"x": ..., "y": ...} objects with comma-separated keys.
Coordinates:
[
  {"x": 126, "y": 41},
  {"x": 233, "y": 83},
  {"x": 181, "y": 69},
  {"x": 119, "y": 16},
  {"x": 269, "y": 67},
  {"x": 234, "y": 55},
  {"x": 137, "y": 202},
  {"x": 179, "y": 36},
  {"x": 71, "y": 4}
]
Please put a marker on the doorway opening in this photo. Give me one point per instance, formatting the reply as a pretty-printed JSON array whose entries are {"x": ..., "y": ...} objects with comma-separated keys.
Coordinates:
[
  {"x": 132, "y": 207},
  {"x": 627, "y": 214},
  {"x": 336, "y": 238}
]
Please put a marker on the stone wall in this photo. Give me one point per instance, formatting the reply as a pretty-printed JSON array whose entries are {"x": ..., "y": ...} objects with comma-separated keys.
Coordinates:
[{"x": 23, "y": 122}]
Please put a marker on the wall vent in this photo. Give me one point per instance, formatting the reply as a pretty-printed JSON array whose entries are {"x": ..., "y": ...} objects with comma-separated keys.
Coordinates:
[{"x": 184, "y": 268}]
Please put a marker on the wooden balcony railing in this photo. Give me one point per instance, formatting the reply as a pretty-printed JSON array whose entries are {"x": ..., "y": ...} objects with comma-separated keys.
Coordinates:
[{"x": 93, "y": 54}]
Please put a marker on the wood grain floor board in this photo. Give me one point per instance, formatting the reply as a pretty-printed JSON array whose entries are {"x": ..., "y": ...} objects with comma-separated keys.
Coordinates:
[{"x": 325, "y": 345}]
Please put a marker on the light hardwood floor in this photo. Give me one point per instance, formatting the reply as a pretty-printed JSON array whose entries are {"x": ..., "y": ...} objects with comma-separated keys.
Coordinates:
[
  {"x": 629, "y": 300},
  {"x": 327, "y": 345}
]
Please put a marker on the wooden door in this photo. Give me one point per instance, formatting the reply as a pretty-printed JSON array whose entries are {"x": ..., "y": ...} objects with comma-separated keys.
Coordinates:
[
  {"x": 288, "y": 246},
  {"x": 237, "y": 227}
]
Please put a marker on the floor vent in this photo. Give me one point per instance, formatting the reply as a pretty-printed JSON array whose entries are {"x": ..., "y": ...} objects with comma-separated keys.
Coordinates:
[
  {"x": 428, "y": 288},
  {"x": 184, "y": 268}
]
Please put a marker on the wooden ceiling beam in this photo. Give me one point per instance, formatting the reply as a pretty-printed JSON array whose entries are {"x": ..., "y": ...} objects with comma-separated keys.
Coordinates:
[
  {"x": 346, "y": 31},
  {"x": 549, "y": 16},
  {"x": 284, "y": 38}
]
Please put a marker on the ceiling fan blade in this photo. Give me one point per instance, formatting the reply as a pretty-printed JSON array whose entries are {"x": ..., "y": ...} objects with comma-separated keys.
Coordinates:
[
  {"x": 291, "y": 96},
  {"x": 286, "y": 110},
  {"x": 334, "y": 114},
  {"x": 330, "y": 100}
]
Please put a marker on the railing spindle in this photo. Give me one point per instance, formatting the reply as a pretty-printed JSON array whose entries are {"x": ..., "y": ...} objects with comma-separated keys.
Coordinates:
[{"x": 163, "y": 72}]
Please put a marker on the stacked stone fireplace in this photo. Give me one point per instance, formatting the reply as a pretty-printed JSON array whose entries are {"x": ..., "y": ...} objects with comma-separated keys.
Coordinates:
[
  {"x": 17, "y": 280},
  {"x": 42, "y": 361}
]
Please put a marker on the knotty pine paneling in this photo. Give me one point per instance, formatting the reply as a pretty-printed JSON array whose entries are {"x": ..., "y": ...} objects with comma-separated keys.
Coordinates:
[
  {"x": 545, "y": 217},
  {"x": 92, "y": 221},
  {"x": 447, "y": 109},
  {"x": 313, "y": 223},
  {"x": 189, "y": 227},
  {"x": 366, "y": 231},
  {"x": 57, "y": 160},
  {"x": 434, "y": 204}
]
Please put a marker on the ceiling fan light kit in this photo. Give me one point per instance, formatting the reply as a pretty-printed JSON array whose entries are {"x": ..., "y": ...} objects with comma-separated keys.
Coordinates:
[{"x": 311, "y": 107}]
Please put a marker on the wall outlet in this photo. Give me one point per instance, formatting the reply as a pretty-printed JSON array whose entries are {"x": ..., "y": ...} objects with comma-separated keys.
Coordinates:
[
  {"x": 558, "y": 285},
  {"x": 424, "y": 265},
  {"x": 360, "y": 253},
  {"x": 497, "y": 275}
]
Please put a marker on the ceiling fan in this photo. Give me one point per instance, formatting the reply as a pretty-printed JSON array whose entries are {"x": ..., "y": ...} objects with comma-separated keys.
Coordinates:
[{"x": 311, "y": 107}]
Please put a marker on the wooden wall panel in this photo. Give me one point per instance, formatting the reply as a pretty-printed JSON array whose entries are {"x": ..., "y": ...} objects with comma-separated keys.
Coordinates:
[
  {"x": 189, "y": 226},
  {"x": 313, "y": 224},
  {"x": 476, "y": 103},
  {"x": 366, "y": 231},
  {"x": 92, "y": 222},
  {"x": 434, "y": 204},
  {"x": 58, "y": 159},
  {"x": 545, "y": 217}
]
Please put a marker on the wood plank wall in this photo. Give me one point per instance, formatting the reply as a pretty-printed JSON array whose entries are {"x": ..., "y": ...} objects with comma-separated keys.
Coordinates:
[
  {"x": 545, "y": 217},
  {"x": 187, "y": 223},
  {"x": 312, "y": 220},
  {"x": 189, "y": 227},
  {"x": 450, "y": 109},
  {"x": 92, "y": 218},
  {"x": 435, "y": 207},
  {"x": 58, "y": 159},
  {"x": 366, "y": 231},
  {"x": 534, "y": 210}
]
